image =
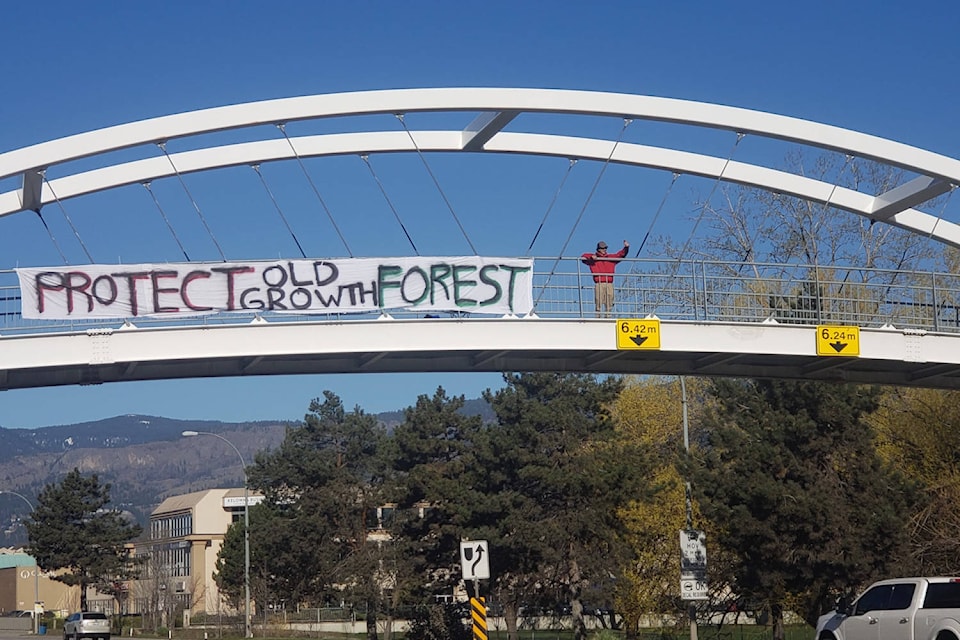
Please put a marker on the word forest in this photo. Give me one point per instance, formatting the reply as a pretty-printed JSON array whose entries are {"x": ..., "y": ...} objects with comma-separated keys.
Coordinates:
[{"x": 474, "y": 284}]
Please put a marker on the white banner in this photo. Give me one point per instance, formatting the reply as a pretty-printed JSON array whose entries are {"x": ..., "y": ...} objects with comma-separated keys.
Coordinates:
[{"x": 472, "y": 284}]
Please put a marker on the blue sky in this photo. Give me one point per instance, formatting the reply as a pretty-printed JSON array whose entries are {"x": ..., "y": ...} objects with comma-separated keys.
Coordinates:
[{"x": 69, "y": 67}]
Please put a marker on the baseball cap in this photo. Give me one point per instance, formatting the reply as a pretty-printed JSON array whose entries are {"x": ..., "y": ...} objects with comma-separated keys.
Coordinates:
[{"x": 601, "y": 245}]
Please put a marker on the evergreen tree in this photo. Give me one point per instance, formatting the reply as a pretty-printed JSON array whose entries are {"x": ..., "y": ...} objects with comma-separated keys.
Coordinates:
[
  {"x": 557, "y": 464},
  {"x": 788, "y": 472},
  {"x": 76, "y": 539},
  {"x": 309, "y": 541}
]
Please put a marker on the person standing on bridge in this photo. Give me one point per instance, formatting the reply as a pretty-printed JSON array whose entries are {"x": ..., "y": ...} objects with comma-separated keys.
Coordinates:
[{"x": 602, "y": 266}]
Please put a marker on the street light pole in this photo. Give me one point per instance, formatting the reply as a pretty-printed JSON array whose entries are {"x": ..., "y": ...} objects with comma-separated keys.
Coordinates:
[
  {"x": 36, "y": 572},
  {"x": 247, "y": 629}
]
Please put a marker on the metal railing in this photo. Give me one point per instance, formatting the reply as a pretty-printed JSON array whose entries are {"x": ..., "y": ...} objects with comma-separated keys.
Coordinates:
[{"x": 698, "y": 291}]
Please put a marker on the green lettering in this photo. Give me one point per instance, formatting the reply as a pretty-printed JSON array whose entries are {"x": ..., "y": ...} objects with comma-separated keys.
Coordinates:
[
  {"x": 385, "y": 271},
  {"x": 490, "y": 281},
  {"x": 439, "y": 273},
  {"x": 459, "y": 281}
]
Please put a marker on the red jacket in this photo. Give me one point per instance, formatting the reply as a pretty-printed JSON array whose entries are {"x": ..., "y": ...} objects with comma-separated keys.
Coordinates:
[{"x": 603, "y": 267}]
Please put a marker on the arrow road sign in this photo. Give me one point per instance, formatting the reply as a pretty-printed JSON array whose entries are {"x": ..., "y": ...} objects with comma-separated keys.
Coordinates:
[
  {"x": 838, "y": 340},
  {"x": 474, "y": 559}
]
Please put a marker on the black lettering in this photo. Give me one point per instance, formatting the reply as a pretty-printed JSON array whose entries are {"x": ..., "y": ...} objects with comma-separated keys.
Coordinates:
[
  {"x": 282, "y": 277},
  {"x": 492, "y": 282},
  {"x": 305, "y": 298},
  {"x": 275, "y": 299},
  {"x": 293, "y": 277},
  {"x": 246, "y": 303},
  {"x": 325, "y": 280},
  {"x": 330, "y": 301}
]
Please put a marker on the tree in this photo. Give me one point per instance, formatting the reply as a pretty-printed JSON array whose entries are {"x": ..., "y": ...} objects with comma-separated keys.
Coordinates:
[
  {"x": 430, "y": 455},
  {"x": 542, "y": 486},
  {"x": 558, "y": 467},
  {"x": 788, "y": 473},
  {"x": 309, "y": 539},
  {"x": 917, "y": 432},
  {"x": 75, "y": 538}
]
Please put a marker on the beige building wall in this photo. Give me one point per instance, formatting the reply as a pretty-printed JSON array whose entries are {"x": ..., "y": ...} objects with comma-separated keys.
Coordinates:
[
  {"x": 19, "y": 587},
  {"x": 195, "y": 524}
]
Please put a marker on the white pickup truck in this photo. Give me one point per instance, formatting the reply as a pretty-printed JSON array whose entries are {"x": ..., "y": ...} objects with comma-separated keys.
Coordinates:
[{"x": 900, "y": 609}]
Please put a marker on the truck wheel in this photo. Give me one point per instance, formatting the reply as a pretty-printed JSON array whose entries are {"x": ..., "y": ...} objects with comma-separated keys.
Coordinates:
[
  {"x": 946, "y": 635},
  {"x": 827, "y": 636}
]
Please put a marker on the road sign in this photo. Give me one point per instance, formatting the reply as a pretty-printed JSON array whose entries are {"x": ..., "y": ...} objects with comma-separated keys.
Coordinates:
[
  {"x": 693, "y": 553},
  {"x": 638, "y": 334},
  {"x": 693, "y": 565},
  {"x": 474, "y": 559},
  {"x": 694, "y": 590},
  {"x": 838, "y": 341}
]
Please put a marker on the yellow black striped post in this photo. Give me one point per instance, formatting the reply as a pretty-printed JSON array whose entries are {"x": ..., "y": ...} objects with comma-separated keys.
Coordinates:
[{"x": 478, "y": 611}]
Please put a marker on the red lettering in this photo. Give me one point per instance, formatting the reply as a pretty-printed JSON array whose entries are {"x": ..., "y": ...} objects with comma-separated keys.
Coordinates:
[
  {"x": 231, "y": 272},
  {"x": 190, "y": 277},
  {"x": 155, "y": 277}
]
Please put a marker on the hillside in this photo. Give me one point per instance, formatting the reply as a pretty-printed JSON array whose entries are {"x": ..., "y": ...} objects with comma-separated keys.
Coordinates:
[{"x": 144, "y": 458}]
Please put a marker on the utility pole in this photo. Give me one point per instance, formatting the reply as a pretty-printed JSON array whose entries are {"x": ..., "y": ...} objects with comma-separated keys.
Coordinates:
[{"x": 688, "y": 491}]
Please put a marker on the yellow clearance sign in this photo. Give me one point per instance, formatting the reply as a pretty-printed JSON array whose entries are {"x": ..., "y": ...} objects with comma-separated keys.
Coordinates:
[
  {"x": 838, "y": 341},
  {"x": 638, "y": 334}
]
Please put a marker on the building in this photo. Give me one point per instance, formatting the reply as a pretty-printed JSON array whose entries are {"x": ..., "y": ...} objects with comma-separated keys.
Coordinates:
[
  {"x": 179, "y": 557},
  {"x": 21, "y": 586}
]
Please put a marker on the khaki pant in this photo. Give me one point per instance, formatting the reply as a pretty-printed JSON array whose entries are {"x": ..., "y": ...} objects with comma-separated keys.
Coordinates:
[{"x": 603, "y": 298}]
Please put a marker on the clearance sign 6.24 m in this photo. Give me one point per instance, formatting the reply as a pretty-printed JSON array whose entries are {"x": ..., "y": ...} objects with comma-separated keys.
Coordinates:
[{"x": 834, "y": 340}]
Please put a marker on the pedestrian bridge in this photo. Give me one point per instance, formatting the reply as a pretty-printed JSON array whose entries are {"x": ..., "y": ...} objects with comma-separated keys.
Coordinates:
[{"x": 679, "y": 316}]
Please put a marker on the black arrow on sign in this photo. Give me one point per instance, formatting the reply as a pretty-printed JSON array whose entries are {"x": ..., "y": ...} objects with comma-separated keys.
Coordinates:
[
  {"x": 638, "y": 340},
  {"x": 838, "y": 346},
  {"x": 473, "y": 568}
]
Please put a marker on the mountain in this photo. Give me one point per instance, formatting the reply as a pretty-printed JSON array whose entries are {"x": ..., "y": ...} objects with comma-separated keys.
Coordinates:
[{"x": 144, "y": 458}]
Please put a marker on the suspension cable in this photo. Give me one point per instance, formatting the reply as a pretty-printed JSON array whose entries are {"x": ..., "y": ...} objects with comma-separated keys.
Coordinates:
[
  {"x": 50, "y": 233},
  {"x": 583, "y": 209},
  {"x": 657, "y": 214},
  {"x": 556, "y": 194},
  {"x": 713, "y": 189},
  {"x": 316, "y": 191},
  {"x": 163, "y": 148},
  {"x": 256, "y": 167},
  {"x": 933, "y": 230},
  {"x": 436, "y": 182},
  {"x": 703, "y": 208},
  {"x": 366, "y": 160},
  {"x": 163, "y": 214},
  {"x": 43, "y": 175}
]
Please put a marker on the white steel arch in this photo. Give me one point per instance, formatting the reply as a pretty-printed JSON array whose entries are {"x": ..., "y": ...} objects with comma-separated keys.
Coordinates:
[
  {"x": 450, "y": 141},
  {"x": 497, "y": 107}
]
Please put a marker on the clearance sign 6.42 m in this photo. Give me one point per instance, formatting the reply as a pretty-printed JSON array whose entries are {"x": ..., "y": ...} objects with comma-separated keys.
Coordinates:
[{"x": 635, "y": 333}]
